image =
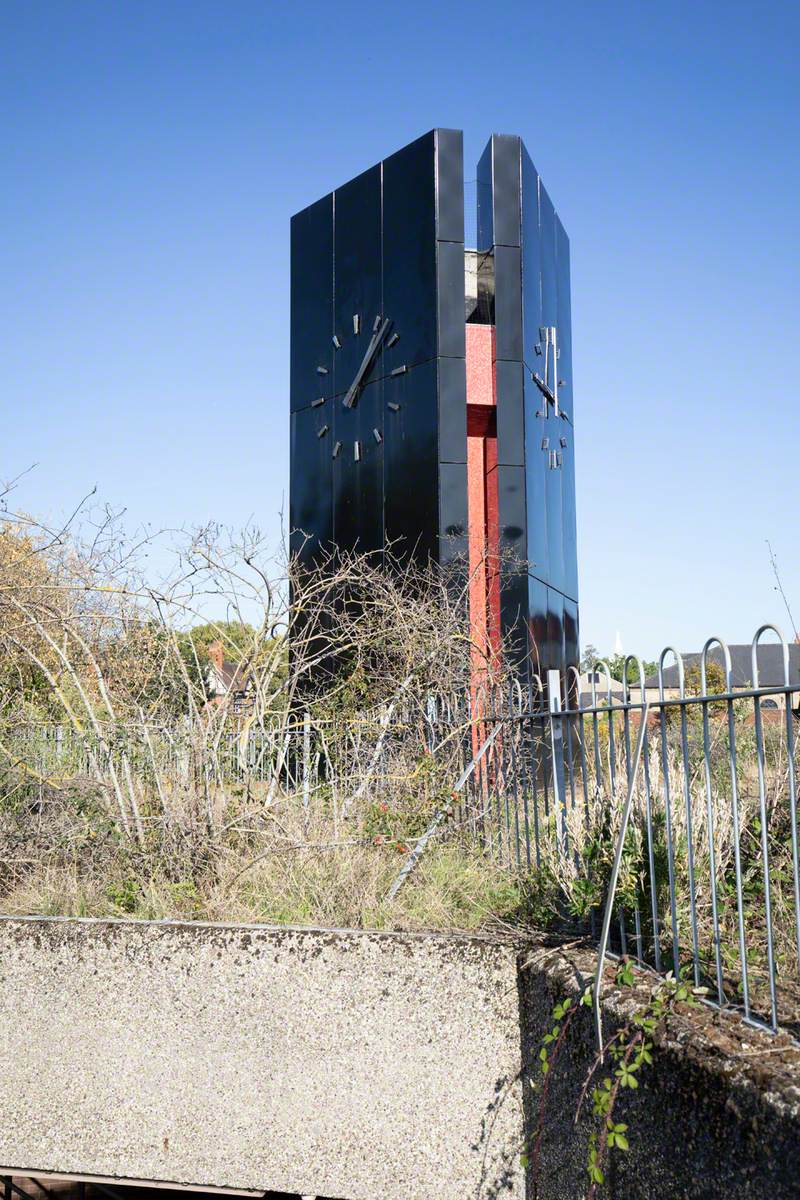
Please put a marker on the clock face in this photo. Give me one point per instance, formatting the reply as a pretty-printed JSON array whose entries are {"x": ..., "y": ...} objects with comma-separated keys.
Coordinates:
[
  {"x": 372, "y": 339},
  {"x": 553, "y": 415}
]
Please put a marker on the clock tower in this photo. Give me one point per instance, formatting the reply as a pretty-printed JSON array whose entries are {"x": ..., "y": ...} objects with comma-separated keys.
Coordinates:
[{"x": 431, "y": 390}]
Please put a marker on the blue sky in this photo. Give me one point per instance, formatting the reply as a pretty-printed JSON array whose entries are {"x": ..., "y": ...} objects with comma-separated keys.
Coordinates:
[{"x": 153, "y": 153}]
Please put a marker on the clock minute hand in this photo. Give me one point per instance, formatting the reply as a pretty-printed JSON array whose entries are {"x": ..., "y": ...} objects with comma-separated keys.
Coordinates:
[{"x": 366, "y": 363}]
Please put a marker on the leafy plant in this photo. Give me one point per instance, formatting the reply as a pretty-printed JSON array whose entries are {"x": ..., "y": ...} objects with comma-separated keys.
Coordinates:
[{"x": 625, "y": 1055}]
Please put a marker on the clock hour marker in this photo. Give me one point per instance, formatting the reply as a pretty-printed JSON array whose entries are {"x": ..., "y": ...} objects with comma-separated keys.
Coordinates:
[
  {"x": 322, "y": 370},
  {"x": 316, "y": 403},
  {"x": 563, "y": 441},
  {"x": 393, "y": 340},
  {"x": 545, "y": 443},
  {"x": 356, "y": 323},
  {"x": 376, "y": 433},
  {"x": 321, "y": 433},
  {"x": 538, "y": 348},
  {"x": 336, "y": 342},
  {"x": 376, "y": 324},
  {"x": 400, "y": 370},
  {"x": 393, "y": 407},
  {"x": 357, "y": 451},
  {"x": 336, "y": 450}
]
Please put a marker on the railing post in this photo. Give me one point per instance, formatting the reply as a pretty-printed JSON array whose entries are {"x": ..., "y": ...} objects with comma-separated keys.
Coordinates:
[
  {"x": 306, "y": 764},
  {"x": 557, "y": 751}
]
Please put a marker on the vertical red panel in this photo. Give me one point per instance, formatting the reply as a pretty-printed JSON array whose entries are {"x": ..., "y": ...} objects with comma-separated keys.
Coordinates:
[{"x": 484, "y": 533}]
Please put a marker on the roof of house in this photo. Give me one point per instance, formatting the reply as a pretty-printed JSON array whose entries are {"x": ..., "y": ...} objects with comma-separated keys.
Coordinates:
[
  {"x": 600, "y": 689},
  {"x": 770, "y": 666},
  {"x": 232, "y": 676}
]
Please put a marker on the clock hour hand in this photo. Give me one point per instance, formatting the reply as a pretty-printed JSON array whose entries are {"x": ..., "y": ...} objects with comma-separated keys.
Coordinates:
[{"x": 366, "y": 363}]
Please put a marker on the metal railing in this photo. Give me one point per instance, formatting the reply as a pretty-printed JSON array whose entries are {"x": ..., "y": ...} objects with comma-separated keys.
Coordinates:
[{"x": 709, "y": 881}]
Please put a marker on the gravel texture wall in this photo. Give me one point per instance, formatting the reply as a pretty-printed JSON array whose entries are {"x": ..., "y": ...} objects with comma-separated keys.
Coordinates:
[
  {"x": 716, "y": 1117},
  {"x": 362, "y": 1065},
  {"x": 338, "y": 1064}
]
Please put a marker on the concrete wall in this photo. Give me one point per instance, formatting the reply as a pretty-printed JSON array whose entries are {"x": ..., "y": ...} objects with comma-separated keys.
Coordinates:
[
  {"x": 717, "y": 1116},
  {"x": 361, "y": 1065},
  {"x": 338, "y": 1064}
]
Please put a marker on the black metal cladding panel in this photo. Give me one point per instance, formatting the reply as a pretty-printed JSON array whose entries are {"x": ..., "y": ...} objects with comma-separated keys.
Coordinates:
[
  {"x": 357, "y": 474},
  {"x": 409, "y": 254},
  {"x": 505, "y": 190},
  {"x": 449, "y": 185},
  {"x": 310, "y": 511},
  {"x": 485, "y": 202},
  {"x": 509, "y": 377},
  {"x": 571, "y": 633},
  {"x": 538, "y": 430},
  {"x": 411, "y": 467},
  {"x": 565, "y": 392},
  {"x": 537, "y": 624},
  {"x": 451, "y": 303},
  {"x": 554, "y": 481},
  {"x": 554, "y": 478},
  {"x": 547, "y": 237},
  {"x": 452, "y": 511},
  {"x": 511, "y": 503},
  {"x": 452, "y": 410},
  {"x": 514, "y": 610},
  {"x": 506, "y": 153},
  {"x": 555, "y": 629},
  {"x": 531, "y": 262},
  {"x": 537, "y": 449},
  {"x": 508, "y": 302},
  {"x": 311, "y": 303},
  {"x": 357, "y": 281}
]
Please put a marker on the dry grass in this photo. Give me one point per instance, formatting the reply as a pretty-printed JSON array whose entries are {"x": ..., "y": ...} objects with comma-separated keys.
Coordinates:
[{"x": 456, "y": 886}]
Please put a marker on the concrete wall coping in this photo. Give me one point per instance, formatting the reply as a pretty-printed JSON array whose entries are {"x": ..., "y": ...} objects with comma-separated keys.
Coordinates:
[{"x": 501, "y": 937}]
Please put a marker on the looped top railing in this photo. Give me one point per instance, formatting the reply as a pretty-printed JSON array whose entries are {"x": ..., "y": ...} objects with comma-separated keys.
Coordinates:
[
  {"x": 681, "y": 673},
  {"x": 754, "y": 652},
  {"x": 632, "y": 658},
  {"x": 726, "y": 658}
]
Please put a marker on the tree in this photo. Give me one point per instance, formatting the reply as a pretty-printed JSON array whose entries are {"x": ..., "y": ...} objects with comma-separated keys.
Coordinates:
[
  {"x": 616, "y": 665},
  {"x": 591, "y": 655}
]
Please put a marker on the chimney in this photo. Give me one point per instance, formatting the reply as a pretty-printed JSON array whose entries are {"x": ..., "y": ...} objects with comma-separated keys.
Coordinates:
[{"x": 216, "y": 653}]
